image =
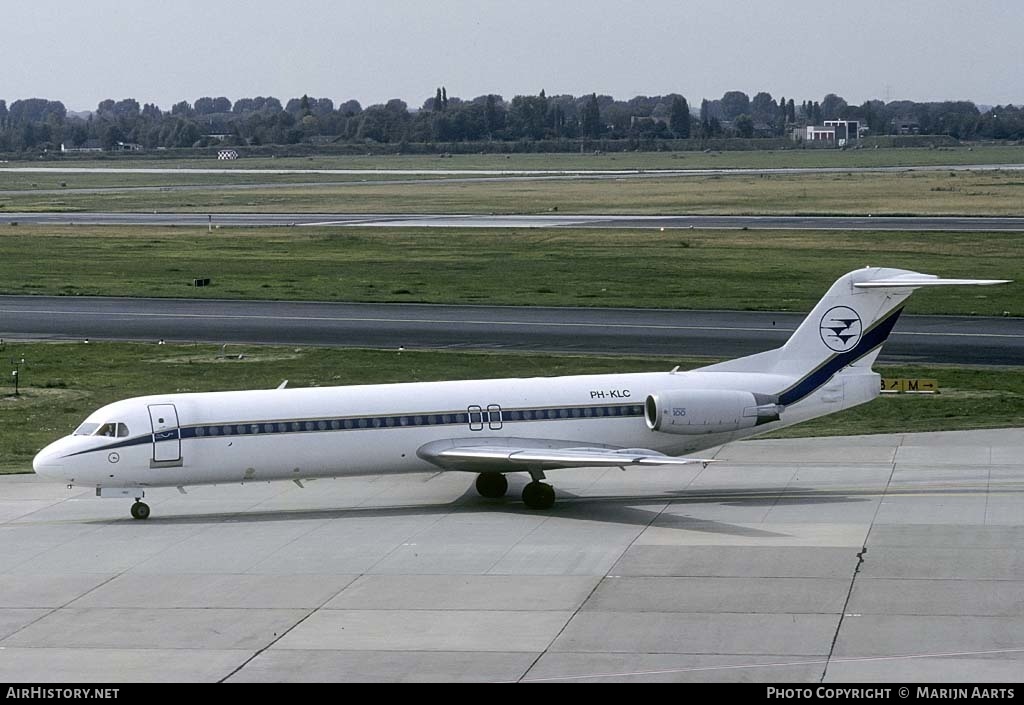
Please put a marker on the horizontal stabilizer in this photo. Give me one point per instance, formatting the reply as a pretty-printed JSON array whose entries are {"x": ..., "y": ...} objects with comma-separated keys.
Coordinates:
[{"x": 924, "y": 280}]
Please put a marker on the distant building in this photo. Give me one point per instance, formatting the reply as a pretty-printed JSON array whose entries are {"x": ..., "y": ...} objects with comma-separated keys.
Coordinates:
[
  {"x": 838, "y": 132},
  {"x": 855, "y": 129},
  {"x": 814, "y": 133},
  {"x": 126, "y": 147},
  {"x": 227, "y": 155}
]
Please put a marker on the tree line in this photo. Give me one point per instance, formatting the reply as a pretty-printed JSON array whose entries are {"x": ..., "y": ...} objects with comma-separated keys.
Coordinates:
[{"x": 37, "y": 124}]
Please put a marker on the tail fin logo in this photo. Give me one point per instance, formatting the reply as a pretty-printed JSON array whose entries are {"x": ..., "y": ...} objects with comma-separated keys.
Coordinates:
[{"x": 841, "y": 329}]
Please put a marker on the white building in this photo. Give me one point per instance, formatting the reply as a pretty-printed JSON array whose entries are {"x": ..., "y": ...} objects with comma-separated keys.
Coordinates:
[
  {"x": 839, "y": 132},
  {"x": 820, "y": 134}
]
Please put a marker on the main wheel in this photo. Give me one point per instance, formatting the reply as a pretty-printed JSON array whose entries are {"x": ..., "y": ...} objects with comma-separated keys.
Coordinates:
[
  {"x": 491, "y": 485},
  {"x": 140, "y": 510},
  {"x": 539, "y": 495}
]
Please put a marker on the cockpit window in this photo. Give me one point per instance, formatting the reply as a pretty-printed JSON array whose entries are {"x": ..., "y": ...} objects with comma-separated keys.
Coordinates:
[
  {"x": 113, "y": 430},
  {"x": 86, "y": 429}
]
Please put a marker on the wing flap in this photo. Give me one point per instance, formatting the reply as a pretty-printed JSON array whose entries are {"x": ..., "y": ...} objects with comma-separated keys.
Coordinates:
[{"x": 526, "y": 455}]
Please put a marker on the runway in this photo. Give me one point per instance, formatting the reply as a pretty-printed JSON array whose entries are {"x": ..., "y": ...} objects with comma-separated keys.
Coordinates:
[
  {"x": 632, "y": 222},
  {"x": 878, "y": 558},
  {"x": 719, "y": 334}
]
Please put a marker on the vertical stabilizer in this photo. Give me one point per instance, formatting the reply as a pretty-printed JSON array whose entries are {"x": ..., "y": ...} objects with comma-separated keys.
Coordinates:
[
  {"x": 848, "y": 326},
  {"x": 846, "y": 329}
]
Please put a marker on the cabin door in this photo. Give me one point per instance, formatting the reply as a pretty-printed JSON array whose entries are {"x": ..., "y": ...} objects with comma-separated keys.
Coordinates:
[{"x": 166, "y": 434}]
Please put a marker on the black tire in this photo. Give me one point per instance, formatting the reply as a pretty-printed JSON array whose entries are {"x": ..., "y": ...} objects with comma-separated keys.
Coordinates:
[
  {"x": 492, "y": 485},
  {"x": 539, "y": 495},
  {"x": 140, "y": 510}
]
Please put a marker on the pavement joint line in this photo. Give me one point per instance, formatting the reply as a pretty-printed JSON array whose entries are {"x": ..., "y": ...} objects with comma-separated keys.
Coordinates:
[
  {"x": 53, "y": 610},
  {"x": 860, "y": 561},
  {"x": 367, "y": 572},
  {"x": 545, "y": 519},
  {"x": 16, "y": 522},
  {"x": 653, "y": 518},
  {"x": 780, "y": 495},
  {"x": 988, "y": 487},
  {"x": 521, "y": 539},
  {"x": 104, "y": 524},
  {"x": 316, "y": 526},
  {"x": 224, "y": 518},
  {"x": 439, "y": 517},
  {"x": 783, "y": 664},
  {"x": 283, "y": 634}
]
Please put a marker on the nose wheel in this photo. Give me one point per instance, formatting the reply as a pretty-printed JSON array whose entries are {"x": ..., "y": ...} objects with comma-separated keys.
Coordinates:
[{"x": 140, "y": 510}]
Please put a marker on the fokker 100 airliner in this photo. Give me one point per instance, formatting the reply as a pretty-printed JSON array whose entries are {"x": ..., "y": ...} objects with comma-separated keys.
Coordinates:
[{"x": 492, "y": 427}]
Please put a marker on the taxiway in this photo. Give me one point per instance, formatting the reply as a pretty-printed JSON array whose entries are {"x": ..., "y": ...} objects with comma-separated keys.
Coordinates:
[
  {"x": 876, "y": 558},
  {"x": 718, "y": 334},
  {"x": 550, "y": 220}
]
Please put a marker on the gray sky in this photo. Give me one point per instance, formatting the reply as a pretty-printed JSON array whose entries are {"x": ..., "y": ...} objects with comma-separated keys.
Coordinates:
[{"x": 83, "y": 52}]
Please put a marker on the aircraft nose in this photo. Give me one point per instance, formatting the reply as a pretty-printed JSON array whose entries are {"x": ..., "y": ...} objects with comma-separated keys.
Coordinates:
[{"x": 47, "y": 463}]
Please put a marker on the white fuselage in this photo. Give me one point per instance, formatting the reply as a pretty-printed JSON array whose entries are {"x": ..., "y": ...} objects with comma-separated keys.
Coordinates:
[{"x": 293, "y": 434}]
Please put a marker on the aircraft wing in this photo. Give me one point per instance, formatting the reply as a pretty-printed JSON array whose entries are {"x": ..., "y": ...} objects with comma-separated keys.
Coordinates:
[{"x": 522, "y": 454}]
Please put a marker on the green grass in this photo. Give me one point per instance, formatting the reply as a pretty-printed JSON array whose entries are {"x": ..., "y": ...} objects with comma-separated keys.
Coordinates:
[
  {"x": 28, "y": 182},
  {"x": 775, "y": 270},
  {"x": 752, "y": 159},
  {"x": 910, "y": 193},
  {"x": 65, "y": 382}
]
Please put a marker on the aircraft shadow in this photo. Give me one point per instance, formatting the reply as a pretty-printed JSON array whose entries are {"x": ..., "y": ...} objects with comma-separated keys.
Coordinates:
[{"x": 629, "y": 510}]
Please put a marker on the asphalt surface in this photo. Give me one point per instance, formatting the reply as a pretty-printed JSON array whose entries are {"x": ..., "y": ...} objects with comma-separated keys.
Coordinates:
[
  {"x": 893, "y": 558},
  {"x": 574, "y": 173},
  {"x": 719, "y": 334},
  {"x": 633, "y": 222}
]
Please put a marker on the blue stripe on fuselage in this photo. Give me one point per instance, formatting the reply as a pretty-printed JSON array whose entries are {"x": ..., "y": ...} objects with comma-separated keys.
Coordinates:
[
  {"x": 482, "y": 418},
  {"x": 873, "y": 338}
]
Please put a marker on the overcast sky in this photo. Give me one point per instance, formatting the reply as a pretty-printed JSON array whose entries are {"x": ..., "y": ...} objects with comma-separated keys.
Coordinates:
[{"x": 373, "y": 50}]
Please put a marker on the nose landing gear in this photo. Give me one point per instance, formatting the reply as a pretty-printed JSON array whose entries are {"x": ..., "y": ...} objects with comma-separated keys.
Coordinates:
[{"x": 140, "y": 510}]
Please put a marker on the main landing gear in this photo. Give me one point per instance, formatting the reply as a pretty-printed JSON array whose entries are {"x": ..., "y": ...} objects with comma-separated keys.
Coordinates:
[
  {"x": 536, "y": 495},
  {"x": 140, "y": 510},
  {"x": 492, "y": 485},
  {"x": 539, "y": 495}
]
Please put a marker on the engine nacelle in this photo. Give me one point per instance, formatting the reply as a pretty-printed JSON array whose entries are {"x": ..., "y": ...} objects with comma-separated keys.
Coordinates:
[{"x": 702, "y": 411}]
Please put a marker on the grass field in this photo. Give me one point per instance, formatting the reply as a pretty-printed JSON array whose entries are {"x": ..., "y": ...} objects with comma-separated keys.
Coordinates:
[
  {"x": 66, "y": 382},
  {"x": 68, "y": 183},
  {"x": 913, "y": 193},
  {"x": 776, "y": 270},
  {"x": 752, "y": 159}
]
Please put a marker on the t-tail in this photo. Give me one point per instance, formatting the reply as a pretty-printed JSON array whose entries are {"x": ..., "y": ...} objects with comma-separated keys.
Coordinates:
[{"x": 845, "y": 331}]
